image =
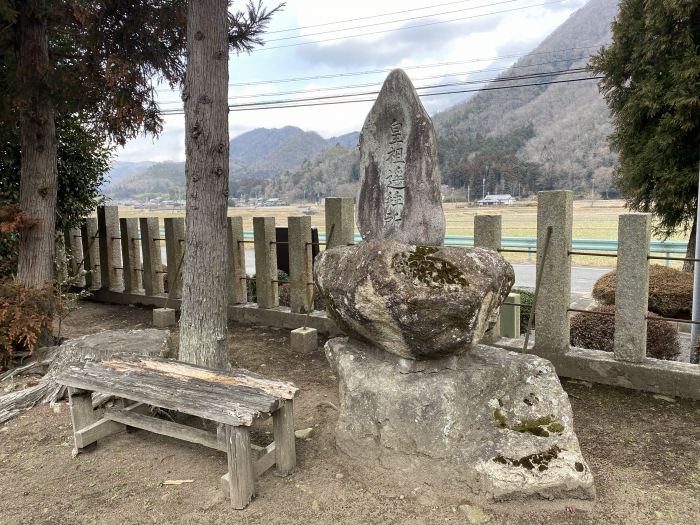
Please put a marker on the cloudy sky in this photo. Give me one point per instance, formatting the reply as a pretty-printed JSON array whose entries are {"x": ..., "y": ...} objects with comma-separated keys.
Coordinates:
[{"x": 322, "y": 48}]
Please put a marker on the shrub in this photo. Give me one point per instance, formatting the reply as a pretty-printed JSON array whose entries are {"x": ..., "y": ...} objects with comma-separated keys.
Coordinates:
[
  {"x": 597, "y": 333},
  {"x": 282, "y": 279},
  {"x": 526, "y": 299},
  {"x": 25, "y": 314},
  {"x": 670, "y": 291}
]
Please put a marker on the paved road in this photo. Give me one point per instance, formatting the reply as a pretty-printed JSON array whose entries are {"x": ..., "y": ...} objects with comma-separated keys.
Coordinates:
[{"x": 582, "y": 278}]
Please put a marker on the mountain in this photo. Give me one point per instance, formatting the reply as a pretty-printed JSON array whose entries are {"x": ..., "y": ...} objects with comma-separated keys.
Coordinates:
[
  {"x": 335, "y": 171},
  {"x": 538, "y": 137},
  {"x": 349, "y": 140},
  {"x": 264, "y": 153},
  {"x": 120, "y": 170},
  {"x": 256, "y": 157},
  {"x": 162, "y": 179}
]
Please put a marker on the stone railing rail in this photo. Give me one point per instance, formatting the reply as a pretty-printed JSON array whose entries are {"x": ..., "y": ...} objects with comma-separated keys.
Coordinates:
[{"x": 124, "y": 259}]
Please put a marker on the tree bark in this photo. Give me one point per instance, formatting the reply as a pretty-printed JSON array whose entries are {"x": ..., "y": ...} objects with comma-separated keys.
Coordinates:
[
  {"x": 689, "y": 266},
  {"x": 38, "y": 184},
  {"x": 204, "y": 302}
]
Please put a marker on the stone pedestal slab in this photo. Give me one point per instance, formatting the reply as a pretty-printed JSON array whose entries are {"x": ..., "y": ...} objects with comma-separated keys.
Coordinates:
[{"x": 498, "y": 421}]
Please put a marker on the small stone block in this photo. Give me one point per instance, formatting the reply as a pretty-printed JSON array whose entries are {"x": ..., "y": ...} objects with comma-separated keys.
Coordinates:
[
  {"x": 510, "y": 317},
  {"x": 304, "y": 340},
  {"x": 163, "y": 317}
]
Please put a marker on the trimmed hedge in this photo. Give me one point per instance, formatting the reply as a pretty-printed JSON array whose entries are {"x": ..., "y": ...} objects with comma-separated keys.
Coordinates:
[
  {"x": 670, "y": 291},
  {"x": 597, "y": 333}
]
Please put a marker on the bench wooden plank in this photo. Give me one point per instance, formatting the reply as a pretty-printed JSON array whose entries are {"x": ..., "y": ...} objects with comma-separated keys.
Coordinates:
[
  {"x": 244, "y": 379},
  {"x": 166, "y": 428},
  {"x": 219, "y": 403}
]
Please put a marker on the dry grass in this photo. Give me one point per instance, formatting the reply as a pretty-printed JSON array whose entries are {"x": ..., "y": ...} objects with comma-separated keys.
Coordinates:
[{"x": 592, "y": 220}]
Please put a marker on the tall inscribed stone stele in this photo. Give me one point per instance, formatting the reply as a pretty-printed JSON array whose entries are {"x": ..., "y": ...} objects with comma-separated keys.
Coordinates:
[{"x": 399, "y": 195}]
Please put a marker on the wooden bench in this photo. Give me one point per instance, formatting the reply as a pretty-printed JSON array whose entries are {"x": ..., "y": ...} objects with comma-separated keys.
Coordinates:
[{"x": 233, "y": 399}]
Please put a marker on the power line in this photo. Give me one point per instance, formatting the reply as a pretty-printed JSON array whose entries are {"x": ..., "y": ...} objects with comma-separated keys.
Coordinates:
[
  {"x": 387, "y": 70},
  {"x": 367, "y": 17},
  {"x": 355, "y": 86},
  {"x": 392, "y": 21},
  {"x": 247, "y": 107},
  {"x": 417, "y": 26},
  {"x": 434, "y": 86},
  {"x": 426, "y": 94}
]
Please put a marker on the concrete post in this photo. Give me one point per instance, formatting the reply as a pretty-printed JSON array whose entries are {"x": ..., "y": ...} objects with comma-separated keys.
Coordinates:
[
  {"x": 632, "y": 289},
  {"x": 265, "y": 262},
  {"x": 152, "y": 259},
  {"x": 487, "y": 231},
  {"x": 304, "y": 340},
  {"x": 555, "y": 210},
  {"x": 131, "y": 256},
  {"x": 510, "y": 317},
  {"x": 88, "y": 230},
  {"x": 75, "y": 251},
  {"x": 174, "y": 248},
  {"x": 238, "y": 291},
  {"x": 340, "y": 221},
  {"x": 300, "y": 272},
  {"x": 110, "y": 249}
]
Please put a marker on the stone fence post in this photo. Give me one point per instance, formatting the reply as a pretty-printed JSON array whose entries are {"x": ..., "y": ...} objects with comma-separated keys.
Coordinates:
[
  {"x": 174, "y": 250},
  {"x": 340, "y": 221},
  {"x": 487, "y": 231},
  {"x": 300, "y": 274},
  {"x": 265, "y": 262},
  {"x": 487, "y": 234},
  {"x": 555, "y": 210},
  {"x": 88, "y": 231},
  {"x": 75, "y": 252},
  {"x": 238, "y": 285},
  {"x": 152, "y": 258},
  {"x": 632, "y": 288},
  {"x": 109, "y": 249},
  {"x": 131, "y": 257}
]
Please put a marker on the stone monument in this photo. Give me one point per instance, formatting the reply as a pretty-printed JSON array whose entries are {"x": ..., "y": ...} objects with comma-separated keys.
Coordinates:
[{"x": 417, "y": 390}]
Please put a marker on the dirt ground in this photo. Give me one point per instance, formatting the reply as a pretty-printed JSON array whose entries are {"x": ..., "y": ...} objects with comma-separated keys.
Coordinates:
[{"x": 644, "y": 452}]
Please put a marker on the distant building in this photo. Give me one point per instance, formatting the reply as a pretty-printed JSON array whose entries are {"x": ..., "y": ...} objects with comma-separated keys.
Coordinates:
[{"x": 497, "y": 200}]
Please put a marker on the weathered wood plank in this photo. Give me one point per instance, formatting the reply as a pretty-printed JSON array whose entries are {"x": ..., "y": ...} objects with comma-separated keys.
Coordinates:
[
  {"x": 265, "y": 460},
  {"x": 240, "y": 467},
  {"x": 224, "y": 402},
  {"x": 237, "y": 377},
  {"x": 283, "y": 430},
  {"x": 165, "y": 428},
  {"x": 98, "y": 430}
]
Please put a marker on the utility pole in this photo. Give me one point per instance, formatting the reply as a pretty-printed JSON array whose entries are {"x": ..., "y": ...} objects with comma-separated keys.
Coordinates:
[
  {"x": 694, "y": 357},
  {"x": 468, "y": 189}
]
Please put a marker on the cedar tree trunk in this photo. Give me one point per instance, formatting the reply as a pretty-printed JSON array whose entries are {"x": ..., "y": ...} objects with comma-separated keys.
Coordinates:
[
  {"x": 204, "y": 295},
  {"x": 38, "y": 185}
]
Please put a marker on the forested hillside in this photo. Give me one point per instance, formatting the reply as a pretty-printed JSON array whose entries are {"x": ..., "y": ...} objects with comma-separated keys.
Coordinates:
[{"x": 541, "y": 137}]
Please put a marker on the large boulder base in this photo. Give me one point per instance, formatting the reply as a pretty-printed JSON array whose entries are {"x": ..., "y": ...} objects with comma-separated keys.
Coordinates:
[
  {"x": 399, "y": 195},
  {"x": 495, "y": 420},
  {"x": 417, "y": 302}
]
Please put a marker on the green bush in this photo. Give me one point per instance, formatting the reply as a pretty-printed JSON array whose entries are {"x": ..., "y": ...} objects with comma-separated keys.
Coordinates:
[
  {"x": 670, "y": 291},
  {"x": 597, "y": 332},
  {"x": 282, "y": 279},
  {"x": 526, "y": 299}
]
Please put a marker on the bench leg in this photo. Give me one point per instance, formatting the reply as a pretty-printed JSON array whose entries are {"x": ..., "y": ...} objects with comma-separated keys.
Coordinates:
[
  {"x": 283, "y": 428},
  {"x": 82, "y": 414},
  {"x": 241, "y": 477}
]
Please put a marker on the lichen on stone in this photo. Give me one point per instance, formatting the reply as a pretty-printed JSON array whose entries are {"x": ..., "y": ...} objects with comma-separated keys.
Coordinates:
[
  {"x": 542, "y": 426},
  {"x": 539, "y": 461},
  {"x": 423, "y": 266}
]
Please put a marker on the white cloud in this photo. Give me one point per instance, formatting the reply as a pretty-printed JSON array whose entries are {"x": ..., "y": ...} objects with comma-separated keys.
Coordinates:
[{"x": 475, "y": 41}]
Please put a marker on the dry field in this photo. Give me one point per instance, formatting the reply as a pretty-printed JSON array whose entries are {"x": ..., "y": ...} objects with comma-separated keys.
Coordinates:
[{"x": 592, "y": 220}]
